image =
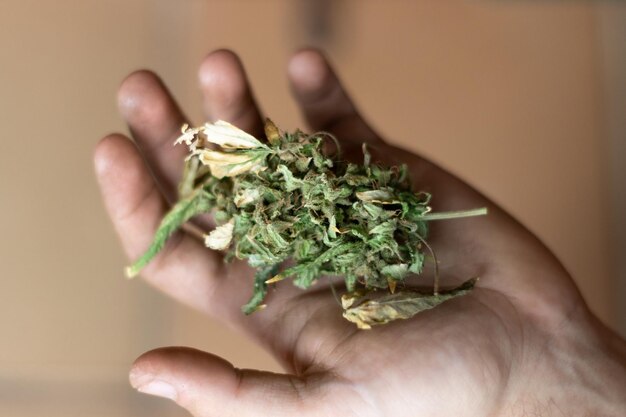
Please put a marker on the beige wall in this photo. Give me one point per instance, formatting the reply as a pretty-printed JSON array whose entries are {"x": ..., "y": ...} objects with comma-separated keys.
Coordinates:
[
  {"x": 612, "y": 34},
  {"x": 509, "y": 95}
]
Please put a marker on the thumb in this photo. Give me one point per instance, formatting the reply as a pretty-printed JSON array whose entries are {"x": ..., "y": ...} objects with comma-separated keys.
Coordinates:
[{"x": 206, "y": 385}]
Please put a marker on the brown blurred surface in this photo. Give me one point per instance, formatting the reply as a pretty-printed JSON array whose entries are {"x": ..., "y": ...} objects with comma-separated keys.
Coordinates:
[{"x": 514, "y": 97}]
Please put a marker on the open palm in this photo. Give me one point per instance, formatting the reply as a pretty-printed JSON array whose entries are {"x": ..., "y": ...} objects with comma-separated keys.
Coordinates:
[{"x": 472, "y": 356}]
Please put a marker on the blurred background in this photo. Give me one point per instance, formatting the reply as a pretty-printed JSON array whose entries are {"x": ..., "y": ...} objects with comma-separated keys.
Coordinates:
[{"x": 526, "y": 100}]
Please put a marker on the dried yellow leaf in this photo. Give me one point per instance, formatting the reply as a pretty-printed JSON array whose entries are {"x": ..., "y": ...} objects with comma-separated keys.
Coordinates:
[
  {"x": 271, "y": 132},
  {"x": 376, "y": 196},
  {"x": 392, "y": 285},
  {"x": 367, "y": 311},
  {"x": 189, "y": 137},
  {"x": 220, "y": 237},
  {"x": 224, "y": 164},
  {"x": 246, "y": 197},
  {"x": 230, "y": 137},
  {"x": 275, "y": 278}
]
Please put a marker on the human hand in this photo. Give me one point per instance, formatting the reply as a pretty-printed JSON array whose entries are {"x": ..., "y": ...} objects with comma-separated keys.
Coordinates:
[{"x": 522, "y": 342}]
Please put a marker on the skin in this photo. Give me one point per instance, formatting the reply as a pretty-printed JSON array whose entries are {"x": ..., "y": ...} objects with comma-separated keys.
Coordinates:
[{"x": 522, "y": 343}]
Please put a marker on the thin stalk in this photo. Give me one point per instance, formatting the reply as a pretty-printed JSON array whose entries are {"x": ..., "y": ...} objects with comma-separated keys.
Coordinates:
[
  {"x": 432, "y": 253},
  {"x": 454, "y": 214}
]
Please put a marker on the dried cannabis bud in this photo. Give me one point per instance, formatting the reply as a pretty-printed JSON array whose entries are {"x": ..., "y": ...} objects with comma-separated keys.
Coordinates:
[{"x": 287, "y": 200}]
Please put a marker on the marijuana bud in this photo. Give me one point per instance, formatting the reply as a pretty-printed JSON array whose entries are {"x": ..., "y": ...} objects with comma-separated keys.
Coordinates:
[{"x": 287, "y": 200}]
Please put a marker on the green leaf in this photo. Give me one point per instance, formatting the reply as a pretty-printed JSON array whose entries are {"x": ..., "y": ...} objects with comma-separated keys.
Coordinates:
[
  {"x": 372, "y": 210},
  {"x": 396, "y": 272},
  {"x": 332, "y": 227},
  {"x": 291, "y": 183},
  {"x": 275, "y": 238},
  {"x": 302, "y": 163},
  {"x": 196, "y": 203},
  {"x": 260, "y": 288},
  {"x": 417, "y": 265},
  {"x": 305, "y": 249},
  {"x": 386, "y": 228},
  {"x": 350, "y": 281},
  {"x": 262, "y": 254},
  {"x": 307, "y": 273}
]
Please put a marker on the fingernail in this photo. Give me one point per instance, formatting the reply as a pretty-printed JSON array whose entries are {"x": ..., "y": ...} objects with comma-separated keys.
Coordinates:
[{"x": 159, "y": 388}]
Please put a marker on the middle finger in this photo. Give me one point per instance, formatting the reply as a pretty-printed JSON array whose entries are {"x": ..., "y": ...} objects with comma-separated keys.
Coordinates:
[{"x": 227, "y": 94}]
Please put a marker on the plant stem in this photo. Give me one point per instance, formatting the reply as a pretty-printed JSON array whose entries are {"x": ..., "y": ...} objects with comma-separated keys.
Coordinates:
[{"x": 454, "y": 214}]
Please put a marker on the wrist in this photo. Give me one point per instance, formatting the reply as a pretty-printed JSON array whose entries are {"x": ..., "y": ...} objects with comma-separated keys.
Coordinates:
[{"x": 579, "y": 369}]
